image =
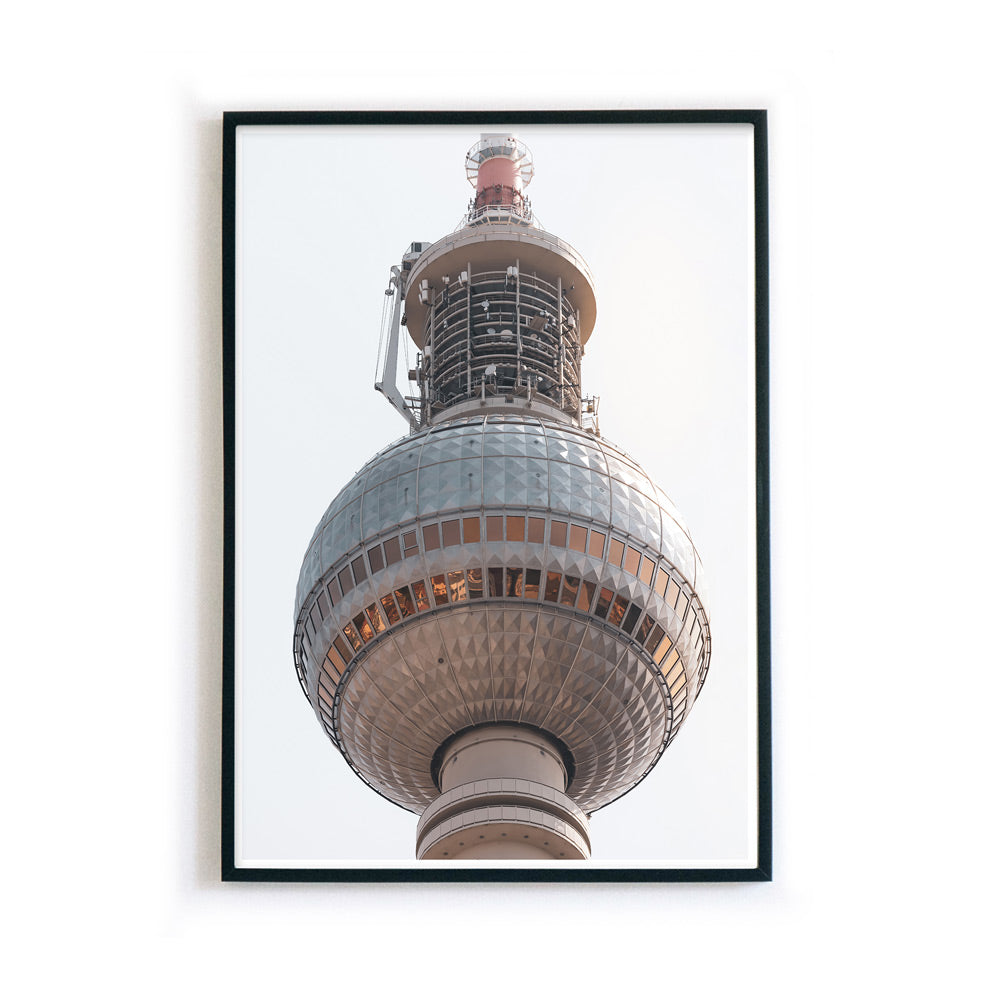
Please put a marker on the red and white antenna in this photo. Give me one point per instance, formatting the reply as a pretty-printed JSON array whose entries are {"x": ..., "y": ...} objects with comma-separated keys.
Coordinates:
[{"x": 499, "y": 167}]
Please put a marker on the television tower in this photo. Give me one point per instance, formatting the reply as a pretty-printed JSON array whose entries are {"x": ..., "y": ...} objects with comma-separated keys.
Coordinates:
[{"x": 497, "y": 619}]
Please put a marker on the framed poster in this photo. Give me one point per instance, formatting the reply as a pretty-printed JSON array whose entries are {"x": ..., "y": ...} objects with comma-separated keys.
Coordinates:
[{"x": 505, "y": 618}]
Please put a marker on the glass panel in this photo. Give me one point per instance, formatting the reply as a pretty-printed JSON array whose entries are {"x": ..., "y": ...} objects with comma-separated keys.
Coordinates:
[
  {"x": 571, "y": 585},
  {"x": 470, "y": 525},
  {"x": 515, "y": 529},
  {"x": 420, "y": 595},
  {"x": 375, "y": 617},
  {"x": 617, "y": 613},
  {"x": 662, "y": 579},
  {"x": 670, "y": 660},
  {"x": 631, "y": 618},
  {"x": 456, "y": 585},
  {"x": 532, "y": 581},
  {"x": 432, "y": 537},
  {"x": 346, "y": 580},
  {"x": 632, "y": 561},
  {"x": 646, "y": 570},
  {"x": 682, "y": 605},
  {"x": 661, "y": 650},
  {"x": 315, "y": 619},
  {"x": 334, "y": 590},
  {"x": 496, "y": 581},
  {"x": 616, "y": 553},
  {"x": 327, "y": 698},
  {"x": 536, "y": 530},
  {"x": 603, "y": 602},
  {"x": 515, "y": 586},
  {"x": 440, "y": 590},
  {"x": 375, "y": 559},
  {"x": 410, "y": 543},
  {"x": 647, "y": 624},
  {"x": 596, "y": 544},
  {"x": 389, "y": 607},
  {"x": 451, "y": 533},
  {"x": 334, "y": 664},
  {"x": 672, "y": 593},
  {"x": 557, "y": 536},
  {"x": 352, "y": 636},
  {"x": 494, "y": 529},
  {"x": 361, "y": 624},
  {"x": 345, "y": 653},
  {"x": 406, "y": 605},
  {"x": 324, "y": 604},
  {"x": 475, "y": 583},
  {"x": 577, "y": 538},
  {"x": 552, "y": 587},
  {"x": 392, "y": 551},
  {"x": 358, "y": 565},
  {"x": 587, "y": 591}
]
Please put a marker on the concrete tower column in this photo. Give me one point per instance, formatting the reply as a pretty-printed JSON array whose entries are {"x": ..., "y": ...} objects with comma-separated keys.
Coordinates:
[{"x": 503, "y": 796}]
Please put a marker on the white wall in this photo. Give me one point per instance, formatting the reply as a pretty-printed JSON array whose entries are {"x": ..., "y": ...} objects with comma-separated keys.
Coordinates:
[{"x": 884, "y": 329}]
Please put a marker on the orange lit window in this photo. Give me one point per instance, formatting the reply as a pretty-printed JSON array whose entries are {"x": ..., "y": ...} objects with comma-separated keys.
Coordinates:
[
  {"x": 596, "y": 544},
  {"x": 345, "y": 653},
  {"x": 410, "y": 543},
  {"x": 532, "y": 581},
  {"x": 536, "y": 530},
  {"x": 392, "y": 551},
  {"x": 496, "y": 581},
  {"x": 617, "y": 613},
  {"x": 375, "y": 617},
  {"x": 647, "y": 624},
  {"x": 646, "y": 570},
  {"x": 616, "y": 553},
  {"x": 673, "y": 592},
  {"x": 440, "y": 590},
  {"x": 432, "y": 537},
  {"x": 578, "y": 538},
  {"x": 494, "y": 529},
  {"x": 389, "y": 607},
  {"x": 335, "y": 664},
  {"x": 604, "y": 602},
  {"x": 361, "y": 624},
  {"x": 552, "y": 582},
  {"x": 456, "y": 585},
  {"x": 375, "y": 559},
  {"x": 475, "y": 583},
  {"x": 515, "y": 586},
  {"x": 470, "y": 526},
  {"x": 557, "y": 535},
  {"x": 571, "y": 585},
  {"x": 451, "y": 533},
  {"x": 662, "y": 579},
  {"x": 632, "y": 561},
  {"x": 587, "y": 591},
  {"x": 352, "y": 636},
  {"x": 420, "y": 595},
  {"x": 515, "y": 529},
  {"x": 405, "y": 602}
]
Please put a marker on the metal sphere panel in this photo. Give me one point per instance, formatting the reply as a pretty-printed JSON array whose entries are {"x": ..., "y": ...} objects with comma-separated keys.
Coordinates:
[
  {"x": 467, "y": 666},
  {"x": 499, "y": 462},
  {"x": 571, "y": 578}
]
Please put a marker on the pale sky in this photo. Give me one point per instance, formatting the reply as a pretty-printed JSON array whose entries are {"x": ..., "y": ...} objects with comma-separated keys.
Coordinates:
[{"x": 664, "y": 217}]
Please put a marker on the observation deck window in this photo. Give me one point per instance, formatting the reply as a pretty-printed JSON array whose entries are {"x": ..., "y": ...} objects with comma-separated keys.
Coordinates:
[
  {"x": 392, "y": 551},
  {"x": 471, "y": 529}
]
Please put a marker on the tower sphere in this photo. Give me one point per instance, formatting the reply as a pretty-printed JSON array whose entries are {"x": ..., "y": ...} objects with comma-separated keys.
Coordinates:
[
  {"x": 501, "y": 568},
  {"x": 500, "y": 619}
]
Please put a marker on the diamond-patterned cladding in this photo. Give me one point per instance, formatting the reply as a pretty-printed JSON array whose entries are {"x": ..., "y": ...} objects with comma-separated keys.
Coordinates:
[{"x": 499, "y": 659}]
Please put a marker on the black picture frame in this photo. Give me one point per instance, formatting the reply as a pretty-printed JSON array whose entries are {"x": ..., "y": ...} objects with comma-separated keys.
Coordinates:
[{"x": 235, "y": 868}]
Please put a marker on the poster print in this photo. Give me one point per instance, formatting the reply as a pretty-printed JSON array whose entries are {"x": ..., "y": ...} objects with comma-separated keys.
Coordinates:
[{"x": 505, "y": 618}]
